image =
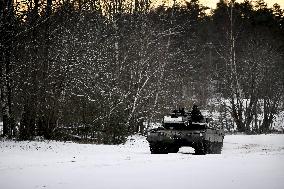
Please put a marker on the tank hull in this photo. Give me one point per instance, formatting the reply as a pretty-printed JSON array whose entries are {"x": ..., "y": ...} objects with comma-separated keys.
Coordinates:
[{"x": 205, "y": 141}]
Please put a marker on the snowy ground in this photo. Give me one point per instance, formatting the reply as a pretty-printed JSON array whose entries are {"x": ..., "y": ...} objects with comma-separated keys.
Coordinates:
[{"x": 246, "y": 162}]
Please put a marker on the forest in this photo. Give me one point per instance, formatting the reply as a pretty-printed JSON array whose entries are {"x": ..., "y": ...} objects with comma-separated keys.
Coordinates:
[{"x": 97, "y": 70}]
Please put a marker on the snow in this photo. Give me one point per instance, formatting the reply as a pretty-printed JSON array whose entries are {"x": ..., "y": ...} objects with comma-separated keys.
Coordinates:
[{"x": 247, "y": 161}]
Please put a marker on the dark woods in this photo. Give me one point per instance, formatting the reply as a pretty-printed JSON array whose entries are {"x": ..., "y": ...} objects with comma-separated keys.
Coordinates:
[{"x": 95, "y": 70}]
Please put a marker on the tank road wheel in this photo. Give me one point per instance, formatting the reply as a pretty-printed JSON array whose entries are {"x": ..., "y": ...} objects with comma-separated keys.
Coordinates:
[
  {"x": 218, "y": 147},
  {"x": 173, "y": 148},
  {"x": 204, "y": 147},
  {"x": 200, "y": 149},
  {"x": 158, "y": 148},
  {"x": 209, "y": 147}
]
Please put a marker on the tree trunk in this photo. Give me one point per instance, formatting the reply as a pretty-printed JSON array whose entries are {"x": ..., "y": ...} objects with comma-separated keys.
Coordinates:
[{"x": 6, "y": 20}]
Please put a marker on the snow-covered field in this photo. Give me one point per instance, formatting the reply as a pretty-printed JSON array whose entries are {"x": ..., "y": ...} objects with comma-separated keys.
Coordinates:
[{"x": 247, "y": 162}]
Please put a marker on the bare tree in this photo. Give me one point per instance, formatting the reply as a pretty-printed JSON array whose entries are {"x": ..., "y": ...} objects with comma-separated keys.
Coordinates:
[{"x": 7, "y": 20}]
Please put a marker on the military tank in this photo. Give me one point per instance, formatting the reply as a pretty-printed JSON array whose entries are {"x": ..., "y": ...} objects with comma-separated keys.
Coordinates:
[{"x": 184, "y": 128}]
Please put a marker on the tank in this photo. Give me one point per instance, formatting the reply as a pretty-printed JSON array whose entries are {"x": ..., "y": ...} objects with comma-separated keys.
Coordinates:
[{"x": 184, "y": 128}]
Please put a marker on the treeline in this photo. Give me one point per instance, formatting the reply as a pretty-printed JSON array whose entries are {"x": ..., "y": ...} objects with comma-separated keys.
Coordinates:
[{"x": 97, "y": 69}]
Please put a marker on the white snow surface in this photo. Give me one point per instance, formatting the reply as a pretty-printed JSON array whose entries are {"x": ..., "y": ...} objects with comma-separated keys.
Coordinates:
[{"x": 247, "y": 162}]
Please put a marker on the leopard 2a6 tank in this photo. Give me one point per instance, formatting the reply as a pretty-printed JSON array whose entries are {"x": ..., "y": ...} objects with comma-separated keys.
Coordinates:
[{"x": 183, "y": 128}]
